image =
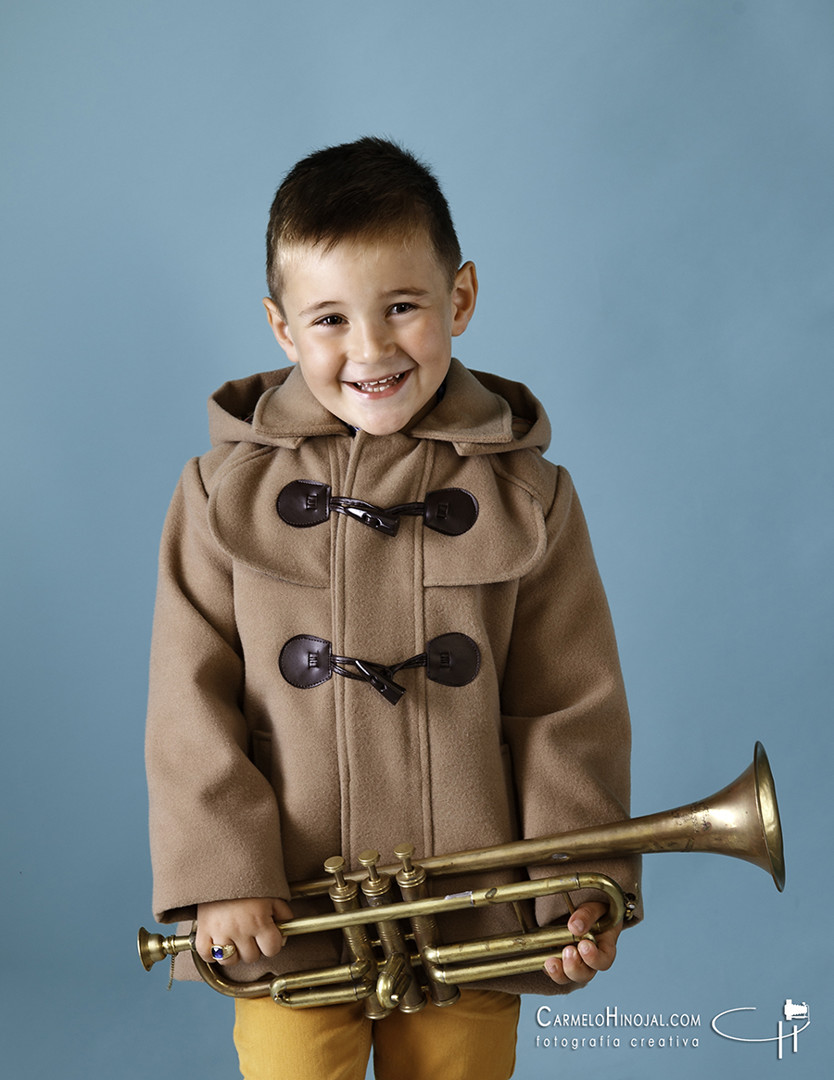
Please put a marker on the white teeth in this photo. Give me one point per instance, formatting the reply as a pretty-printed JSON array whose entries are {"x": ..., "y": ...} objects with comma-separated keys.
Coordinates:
[{"x": 376, "y": 386}]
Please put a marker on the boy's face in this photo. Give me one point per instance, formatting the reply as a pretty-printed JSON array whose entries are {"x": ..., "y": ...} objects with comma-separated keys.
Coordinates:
[{"x": 371, "y": 326}]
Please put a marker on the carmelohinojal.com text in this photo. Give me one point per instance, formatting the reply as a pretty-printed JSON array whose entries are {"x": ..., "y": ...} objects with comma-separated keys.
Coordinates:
[{"x": 652, "y": 1031}]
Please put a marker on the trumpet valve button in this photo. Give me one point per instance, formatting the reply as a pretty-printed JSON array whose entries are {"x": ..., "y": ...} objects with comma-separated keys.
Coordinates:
[
  {"x": 369, "y": 859},
  {"x": 405, "y": 853},
  {"x": 336, "y": 866}
]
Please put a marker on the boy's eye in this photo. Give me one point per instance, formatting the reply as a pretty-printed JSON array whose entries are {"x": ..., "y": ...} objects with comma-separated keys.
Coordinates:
[
  {"x": 330, "y": 320},
  {"x": 401, "y": 308}
]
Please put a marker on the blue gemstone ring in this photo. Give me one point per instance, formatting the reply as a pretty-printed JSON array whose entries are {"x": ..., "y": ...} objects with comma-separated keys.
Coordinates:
[{"x": 222, "y": 952}]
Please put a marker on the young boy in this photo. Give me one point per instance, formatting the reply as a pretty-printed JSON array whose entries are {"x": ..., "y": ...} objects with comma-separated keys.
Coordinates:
[{"x": 378, "y": 621}]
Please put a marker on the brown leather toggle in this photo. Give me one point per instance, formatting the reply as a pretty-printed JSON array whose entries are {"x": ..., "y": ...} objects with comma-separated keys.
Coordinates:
[
  {"x": 304, "y": 503},
  {"x": 450, "y": 659}
]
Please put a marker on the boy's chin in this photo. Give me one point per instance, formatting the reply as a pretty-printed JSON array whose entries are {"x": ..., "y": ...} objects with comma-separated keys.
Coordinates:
[
  {"x": 378, "y": 426},
  {"x": 380, "y": 419}
]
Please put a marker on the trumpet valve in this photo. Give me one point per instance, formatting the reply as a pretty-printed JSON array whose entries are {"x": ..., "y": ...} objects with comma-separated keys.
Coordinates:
[
  {"x": 412, "y": 877},
  {"x": 336, "y": 867},
  {"x": 376, "y": 887},
  {"x": 341, "y": 891},
  {"x": 369, "y": 859},
  {"x": 405, "y": 853}
]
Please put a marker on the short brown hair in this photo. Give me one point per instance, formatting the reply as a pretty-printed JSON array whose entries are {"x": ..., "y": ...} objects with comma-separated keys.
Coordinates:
[{"x": 371, "y": 188}]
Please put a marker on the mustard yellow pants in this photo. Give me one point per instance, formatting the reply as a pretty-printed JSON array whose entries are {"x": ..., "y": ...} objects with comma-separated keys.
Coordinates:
[{"x": 471, "y": 1040}]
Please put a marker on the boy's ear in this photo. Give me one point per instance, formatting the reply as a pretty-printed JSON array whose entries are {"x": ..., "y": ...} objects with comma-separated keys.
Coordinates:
[
  {"x": 280, "y": 329},
  {"x": 464, "y": 296}
]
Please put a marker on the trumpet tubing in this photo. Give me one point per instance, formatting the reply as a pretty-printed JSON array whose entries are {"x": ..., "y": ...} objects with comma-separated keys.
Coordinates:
[{"x": 404, "y": 952}]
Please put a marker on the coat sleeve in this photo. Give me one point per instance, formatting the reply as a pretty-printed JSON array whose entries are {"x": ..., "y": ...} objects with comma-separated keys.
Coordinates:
[
  {"x": 214, "y": 827},
  {"x": 565, "y": 713}
]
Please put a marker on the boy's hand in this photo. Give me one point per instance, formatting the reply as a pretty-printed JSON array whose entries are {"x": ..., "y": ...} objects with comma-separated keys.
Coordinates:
[
  {"x": 249, "y": 925},
  {"x": 579, "y": 963}
]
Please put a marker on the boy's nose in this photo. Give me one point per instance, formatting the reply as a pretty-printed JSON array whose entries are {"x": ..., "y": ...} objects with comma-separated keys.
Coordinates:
[{"x": 372, "y": 342}]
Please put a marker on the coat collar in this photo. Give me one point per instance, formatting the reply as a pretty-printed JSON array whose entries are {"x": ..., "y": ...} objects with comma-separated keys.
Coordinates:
[
  {"x": 469, "y": 415},
  {"x": 479, "y": 413}
]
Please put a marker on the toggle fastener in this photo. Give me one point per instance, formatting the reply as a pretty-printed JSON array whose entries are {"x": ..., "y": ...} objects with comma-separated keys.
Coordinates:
[
  {"x": 304, "y": 503},
  {"x": 450, "y": 659}
]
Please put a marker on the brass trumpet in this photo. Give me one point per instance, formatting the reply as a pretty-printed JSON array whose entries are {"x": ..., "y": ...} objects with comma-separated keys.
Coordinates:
[{"x": 402, "y": 953}]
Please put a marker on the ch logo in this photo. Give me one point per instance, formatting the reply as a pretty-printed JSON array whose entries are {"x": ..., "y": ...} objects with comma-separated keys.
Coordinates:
[{"x": 792, "y": 1012}]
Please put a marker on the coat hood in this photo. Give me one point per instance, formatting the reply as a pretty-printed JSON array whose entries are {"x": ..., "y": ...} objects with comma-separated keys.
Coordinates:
[{"x": 480, "y": 413}]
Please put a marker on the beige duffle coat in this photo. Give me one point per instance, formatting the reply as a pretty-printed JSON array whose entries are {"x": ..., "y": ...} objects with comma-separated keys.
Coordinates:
[{"x": 273, "y": 738}]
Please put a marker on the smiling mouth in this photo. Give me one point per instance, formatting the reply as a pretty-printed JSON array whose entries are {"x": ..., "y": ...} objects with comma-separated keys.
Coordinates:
[{"x": 378, "y": 386}]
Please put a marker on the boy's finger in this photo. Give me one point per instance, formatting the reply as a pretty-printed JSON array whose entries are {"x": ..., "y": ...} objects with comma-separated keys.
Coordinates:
[
  {"x": 270, "y": 940},
  {"x": 585, "y": 916},
  {"x": 575, "y": 965},
  {"x": 571, "y": 968},
  {"x": 599, "y": 955},
  {"x": 248, "y": 950}
]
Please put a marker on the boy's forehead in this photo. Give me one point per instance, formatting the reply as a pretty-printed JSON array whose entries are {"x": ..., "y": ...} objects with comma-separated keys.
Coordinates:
[{"x": 324, "y": 257}]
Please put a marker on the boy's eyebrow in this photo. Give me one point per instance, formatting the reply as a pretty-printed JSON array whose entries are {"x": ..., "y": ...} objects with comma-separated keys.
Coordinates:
[
  {"x": 408, "y": 290},
  {"x": 320, "y": 306}
]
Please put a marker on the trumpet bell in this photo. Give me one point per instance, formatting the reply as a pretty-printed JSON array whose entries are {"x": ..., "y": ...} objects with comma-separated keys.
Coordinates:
[
  {"x": 741, "y": 820},
  {"x": 752, "y": 829}
]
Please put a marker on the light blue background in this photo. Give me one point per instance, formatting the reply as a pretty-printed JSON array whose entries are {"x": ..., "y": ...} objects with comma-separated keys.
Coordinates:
[{"x": 645, "y": 187}]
